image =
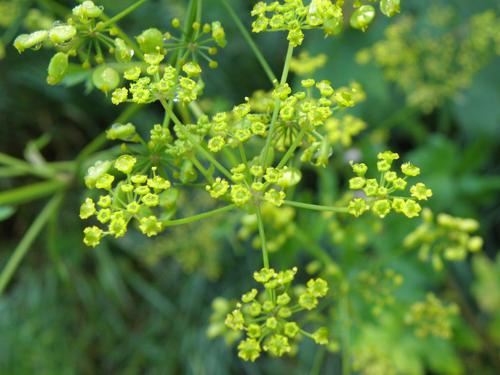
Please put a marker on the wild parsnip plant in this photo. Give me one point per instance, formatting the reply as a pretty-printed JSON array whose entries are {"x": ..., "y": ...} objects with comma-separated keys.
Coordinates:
[{"x": 250, "y": 161}]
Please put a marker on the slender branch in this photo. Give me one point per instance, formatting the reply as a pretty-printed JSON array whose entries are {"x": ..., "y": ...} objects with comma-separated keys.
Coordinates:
[
  {"x": 277, "y": 105},
  {"x": 292, "y": 148},
  {"x": 28, "y": 239},
  {"x": 318, "y": 361},
  {"x": 202, "y": 169},
  {"x": 316, "y": 207},
  {"x": 22, "y": 165},
  {"x": 263, "y": 63},
  {"x": 243, "y": 154},
  {"x": 204, "y": 215},
  {"x": 194, "y": 142},
  {"x": 181, "y": 53},
  {"x": 262, "y": 234},
  {"x": 122, "y": 14},
  {"x": 196, "y": 109},
  {"x": 346, "y": 334},
  {"x": 31, "y": 192}
]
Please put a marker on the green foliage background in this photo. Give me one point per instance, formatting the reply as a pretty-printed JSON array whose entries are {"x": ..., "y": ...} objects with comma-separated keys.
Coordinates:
[{"x": 138, "y": 306}]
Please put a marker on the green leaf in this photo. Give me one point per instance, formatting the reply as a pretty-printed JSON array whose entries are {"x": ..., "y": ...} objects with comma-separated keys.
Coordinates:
[{"x": 6, "y": 212}]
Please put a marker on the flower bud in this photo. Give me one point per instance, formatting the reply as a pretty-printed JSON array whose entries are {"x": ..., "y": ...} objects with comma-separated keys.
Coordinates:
[
  {"x": 176, "y": 23},
  {"x": 122, "y": 132},
  {"x": 122, "y": 52},
  {"x": 192, "y": 69},
  {"x": 125, "y": 163},
  {"x": 150, "y": 40},
  {"x": 389, "y": 7},
  {"x": 289, "y": 177},
  {"x": 362, "y": 17},
  {"x": 87, "y": 9},
  {"x": 92, "y": 236},
  {"x": 218, "y": 34},
  {"x": 58, "y": 67},
  {"x": 333, "y": 26},
  {"x": 188, "y": 172},
  {"x": 95, "y": 172},
  {"x": 62, "y": 33},
  {"x": 105, "y": 78},
  {"x": 32, "y": 40},
  {"x": 150, "y": 226}
]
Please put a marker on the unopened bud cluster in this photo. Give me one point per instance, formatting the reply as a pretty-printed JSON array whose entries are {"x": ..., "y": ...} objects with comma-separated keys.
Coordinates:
[{"x": 444, "y": 237}]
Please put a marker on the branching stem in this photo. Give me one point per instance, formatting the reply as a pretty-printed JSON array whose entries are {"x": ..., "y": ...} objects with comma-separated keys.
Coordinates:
[
  {"x": 194, "y": 218},
  {"x": 277, "y": 105},
  {"x": 316, "y": 207},
  {"x": 262, "y": 234},
  {"x": 258, "y": 54},
  {"x": 122, "y": 14},
  {"x": 194, "y": 142}
]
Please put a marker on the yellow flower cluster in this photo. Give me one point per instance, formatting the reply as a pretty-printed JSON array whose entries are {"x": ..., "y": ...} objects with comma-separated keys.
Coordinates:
[
  {"x": 378, "y": 195},
  {"x": 432, "y": 66},
  {"x": 294, "y": 16},
  {"x": 431, "y": 317},
  {"x": 444, "y": 237},
  {"x": 265, "y": 316},
  {"x": 132, "y": 198}
]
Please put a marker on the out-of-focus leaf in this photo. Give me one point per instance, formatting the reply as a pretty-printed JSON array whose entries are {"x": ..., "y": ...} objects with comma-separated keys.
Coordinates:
[{"x": 6, "y": 212}]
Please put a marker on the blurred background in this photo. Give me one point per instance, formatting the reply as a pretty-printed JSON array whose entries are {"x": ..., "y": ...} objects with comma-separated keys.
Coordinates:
[{"x": 143, "y": 306}]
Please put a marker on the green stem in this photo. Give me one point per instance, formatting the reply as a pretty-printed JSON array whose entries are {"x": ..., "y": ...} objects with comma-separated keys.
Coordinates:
[
  {"x": 23, "y": 166},
  {"x": 243, "y": 154},
  {"x": 122, "y": 14},
  {"x": 181, "y": 108},
  {"x": 316, "y": 207},
  {"x": 307, "y": 334},
  {"x": 31, "y": 192},
  {"x": 318, "y": 361},
  {"x": 262, "y": 234},
  {"x": 192, "y": 219},
  {"x": 193, "y": 14},
  {"x": 292, "y": 148},
  {"x": 196, "y": 109},
  {"x": 346, "y": 334},
  {"x": 251, "y": 43},
  {"x": 288, "y": 60},
  {"x": 277, "y": 105},
  {"x": 194, "y": 142},
  {"x": 202, "y": 169},
  {"x": 11, "y": 172},
  {"x": 28, "y": 239},
  {"x": 230, "y": 157}
]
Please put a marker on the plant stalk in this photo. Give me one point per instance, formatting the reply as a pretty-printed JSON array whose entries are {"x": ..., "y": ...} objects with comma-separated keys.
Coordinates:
[
  {"x": 28, "y": 239},
  {"x": 192, "y": 219}
]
